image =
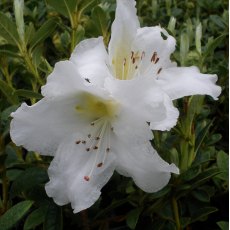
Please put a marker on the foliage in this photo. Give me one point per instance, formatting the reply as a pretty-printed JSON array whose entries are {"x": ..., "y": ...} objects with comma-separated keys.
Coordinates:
[{"x": 48, "y": 32}]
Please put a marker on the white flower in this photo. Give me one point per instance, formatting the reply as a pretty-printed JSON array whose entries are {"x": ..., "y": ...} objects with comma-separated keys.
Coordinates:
[{"x": 98, "y": 111}]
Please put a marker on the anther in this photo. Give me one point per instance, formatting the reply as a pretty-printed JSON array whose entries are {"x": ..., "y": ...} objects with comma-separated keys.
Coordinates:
[
  {"x": 83, "y": 142},
  {"x": 92, "y": 123},
  {"x": 159, "y": 71},
  {"x": 136, "y": 67},
  {"x": 97, "y": 138},
  {"x": 95, "y": 147},
  {"x": 112, "y": 128},
  {"x": 78, "y": 142},
  {"x": 87, "y": 149},
  {"x": 157, "y": 60},
  {"x": 153, "y": 58},
  {"x": 132, "y": 54},
  {"x": 107, "y": 150},
  {"x": 99, "y": 165},
  {"x": 86, "y": 178},
  {"x": 89, "y": 135}
]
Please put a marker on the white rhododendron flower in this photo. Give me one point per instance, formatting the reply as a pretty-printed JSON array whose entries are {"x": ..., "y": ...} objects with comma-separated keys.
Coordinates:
[{"x": 99, "y": 109}]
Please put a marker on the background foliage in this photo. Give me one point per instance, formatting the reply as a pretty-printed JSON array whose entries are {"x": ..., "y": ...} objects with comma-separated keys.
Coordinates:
[{"x": 34, "y": 38}]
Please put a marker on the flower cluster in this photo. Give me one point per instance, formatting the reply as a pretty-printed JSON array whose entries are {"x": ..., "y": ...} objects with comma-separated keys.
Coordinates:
[{"x": 99, "y": 110}]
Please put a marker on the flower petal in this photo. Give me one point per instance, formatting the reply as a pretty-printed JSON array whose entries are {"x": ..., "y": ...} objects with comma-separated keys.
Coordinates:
[
  {"x": 67, "y": 171},
  {"x": 91, "y": 59},
  {"x": 42, "y": 126},
  {"x": 141, "y": 162},
  {"x": 185, "y": 81},
  {"x": 155, "y": 50},
  {"x": 123, "y": 32},
  {"x": 64, "y": 80}
]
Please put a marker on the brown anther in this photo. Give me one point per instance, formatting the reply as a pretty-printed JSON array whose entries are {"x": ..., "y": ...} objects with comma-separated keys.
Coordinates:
[
  {"x": 83, "y": 142},
  {"x": 157, "y": 60},
  {"x": 78, "y": 142},
  {"x": 97, "y": 138},
  {"x": 133, "y": 60},
  {"x": 89, "y": 135},
  {"x": 136, "y": 67},
  {"x": 95, "y": 147},
  {"x": 112, "y": 128},
  {"x": 159, "y": 71},
  {"x": 86, "y": 178},
  {"x": 107, "y": 150},
  {"x": 92, "y": 123},
  {"x": 99, "y": 165},
  {"x": 132, "y": 54},
  {"x": 87, "y": 149},
  {"x": 153, "y": 58}
]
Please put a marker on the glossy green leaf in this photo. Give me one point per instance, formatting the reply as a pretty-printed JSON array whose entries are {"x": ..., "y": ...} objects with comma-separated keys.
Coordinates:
[
  {"x": 133, "y": 217},
  {"x": 53, "y": 218},
  {"x": 36, "y": 218},
  {"x": 43, "y": 32},
  {"x": 15, "y": 214},
  {"x": 8, "y": 30},
  {"x": 223, "y": 165}
]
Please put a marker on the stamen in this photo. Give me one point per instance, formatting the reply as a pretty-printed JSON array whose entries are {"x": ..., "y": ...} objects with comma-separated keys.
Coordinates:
[
  {"x": 87, "y": 79},
  {"x": 153, "y": 58},
  {"x": 87, "y": 149},
  {"x": 78, "y": 142},
  {"x": 95, "y": 147},
  {"x": 99, "y": 165},
  {"x": 83, "y": 142},
  {"x": 107, "y": 150},
  {"x": 86, "y": 178},
  {"x": 89, "y": 135},
  {"x": 97, "y": 138},
  {"x": 159, "y": 71},
  {"x": 156, "y": 60}
]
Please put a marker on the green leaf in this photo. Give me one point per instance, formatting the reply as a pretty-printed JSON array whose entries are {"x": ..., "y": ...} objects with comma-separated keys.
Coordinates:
[
  {"x": 223, "y": 225},
  {"x": 28, "y": 94},
  {"x": 132, "y": 218},
  {"x": 213, "y": 44},
  {"x": 64, "y": 7},
  {"x": 28, "y": 180},
  {"x": 100, "y": 20},
  {"x": 53, "y": 219},
  {"x": 8, "y": 30},
  {"x": 202, "y": 213},
  {"x": 36, "y": 218},
  {"x": 8, "y": 92},
  {"x": 43, "y": 32},
  {"x": 222, "y": 163},
  {"x": 15, "y": 214}
]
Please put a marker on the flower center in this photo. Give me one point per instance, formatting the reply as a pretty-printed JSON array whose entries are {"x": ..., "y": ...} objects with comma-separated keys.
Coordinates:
[{"x": 94, "y": 107}]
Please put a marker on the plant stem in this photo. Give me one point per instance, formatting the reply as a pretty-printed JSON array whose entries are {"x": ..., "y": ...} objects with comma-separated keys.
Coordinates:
[{"x": 176, "y": 213}]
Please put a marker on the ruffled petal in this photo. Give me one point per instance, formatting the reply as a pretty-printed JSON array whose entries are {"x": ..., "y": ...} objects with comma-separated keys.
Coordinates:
[
  {"x": 123, "y": 32},
  {"x": 154, "y": 47},
  {"x": 63, "y": 81},
  {"x": 141, "y": 162},
  {"x": 91, "y": 60},
  {"x": 67, "y": 171},
  {"x": 42, "y": 126},
  {"x": 171, "y": 116},
  {"x": 178, "y": 82}
]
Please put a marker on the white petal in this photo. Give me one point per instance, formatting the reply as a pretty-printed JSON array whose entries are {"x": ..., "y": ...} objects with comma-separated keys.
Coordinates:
[
  {"x": 150, "y": 43},
  {"x": 42, "y": 126},
  {"x": 185, "y": 81},
  {"x": 64, "y": 80},
  {"x": 141, "y": 96},
  {"x": 91, "y": 60},
  {"x": 170, "y": 119},
  {"x": 144, "y": 165},
  {"x": 123, "y": 32},
  {"x": 67, "y": 170}
]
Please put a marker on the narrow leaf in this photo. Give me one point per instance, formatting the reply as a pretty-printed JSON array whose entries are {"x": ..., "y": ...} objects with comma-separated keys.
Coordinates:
[
  {"x": 28, "y": 94},
  {"x": 15, "y": 214},
  {"x": 8, "y": 30},
  {"x": 132, "y": 218}
]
